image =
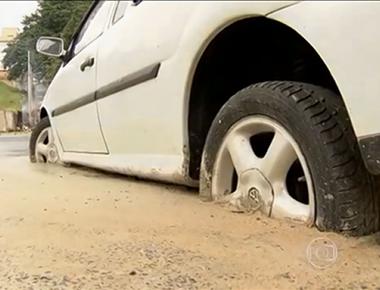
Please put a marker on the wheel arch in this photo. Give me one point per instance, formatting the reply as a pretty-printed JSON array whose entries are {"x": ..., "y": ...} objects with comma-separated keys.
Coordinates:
[
  {"x": 43, "y": 113},
  {"x": 218, "y": 71}
]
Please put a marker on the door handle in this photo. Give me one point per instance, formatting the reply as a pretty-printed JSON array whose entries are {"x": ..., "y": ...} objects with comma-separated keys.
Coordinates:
[{"x": 87, "y": 63}]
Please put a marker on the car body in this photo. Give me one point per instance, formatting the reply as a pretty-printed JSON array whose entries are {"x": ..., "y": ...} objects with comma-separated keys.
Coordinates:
[{"x": 128, "y": 95}]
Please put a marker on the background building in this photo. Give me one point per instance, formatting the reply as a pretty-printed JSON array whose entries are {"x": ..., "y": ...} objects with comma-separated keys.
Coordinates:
[{"x": 7, "y": 35}]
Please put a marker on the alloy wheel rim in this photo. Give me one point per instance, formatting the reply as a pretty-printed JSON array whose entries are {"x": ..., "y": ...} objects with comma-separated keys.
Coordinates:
[
  {"x": 260, "y": 166},
  {"x": 45, "y": 150}
]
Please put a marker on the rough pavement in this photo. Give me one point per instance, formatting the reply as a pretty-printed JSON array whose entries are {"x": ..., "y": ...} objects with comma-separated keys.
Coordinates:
[{"x": 72, "y": 228}]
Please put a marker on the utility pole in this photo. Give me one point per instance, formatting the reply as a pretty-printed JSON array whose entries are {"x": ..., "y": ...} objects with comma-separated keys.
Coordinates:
[{"x": 30, "y": 93}]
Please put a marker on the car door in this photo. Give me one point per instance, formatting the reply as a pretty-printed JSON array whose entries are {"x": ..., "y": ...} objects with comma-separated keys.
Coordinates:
[
  {"x": 74, "y": 114},
  {"x": 133, "y": 92}
]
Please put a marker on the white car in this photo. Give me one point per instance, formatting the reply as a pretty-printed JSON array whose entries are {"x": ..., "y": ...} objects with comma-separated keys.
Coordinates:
[{"x": 270, "y": 106}]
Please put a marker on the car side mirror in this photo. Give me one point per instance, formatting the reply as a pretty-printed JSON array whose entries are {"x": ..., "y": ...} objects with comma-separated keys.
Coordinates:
[{"x": 51, "y": 46}]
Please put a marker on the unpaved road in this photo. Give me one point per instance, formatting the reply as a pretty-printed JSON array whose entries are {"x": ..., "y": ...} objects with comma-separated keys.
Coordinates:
[{"x": 71, "y": 228}]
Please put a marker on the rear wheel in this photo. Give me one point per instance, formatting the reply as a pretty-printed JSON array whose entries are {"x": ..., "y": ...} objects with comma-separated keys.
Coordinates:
[{"x": 288, "y": 149}]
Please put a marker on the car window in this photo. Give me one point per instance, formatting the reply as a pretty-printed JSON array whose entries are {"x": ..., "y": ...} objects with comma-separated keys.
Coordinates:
[
  {"x": 120, "y": 10},
  {"x": 93, "y": 27}
]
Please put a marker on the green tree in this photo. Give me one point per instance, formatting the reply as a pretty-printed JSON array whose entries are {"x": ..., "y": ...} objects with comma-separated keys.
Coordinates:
[{"x": 52, "y": 18}]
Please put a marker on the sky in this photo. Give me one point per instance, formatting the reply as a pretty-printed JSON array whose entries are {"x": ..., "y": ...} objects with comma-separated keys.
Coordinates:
[{"x": 12, "y": 12}]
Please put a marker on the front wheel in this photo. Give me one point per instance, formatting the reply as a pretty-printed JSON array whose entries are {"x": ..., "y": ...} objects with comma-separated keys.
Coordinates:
[
  {"x": 41, "y": 145},
  {"x": 288, "y": 149}
]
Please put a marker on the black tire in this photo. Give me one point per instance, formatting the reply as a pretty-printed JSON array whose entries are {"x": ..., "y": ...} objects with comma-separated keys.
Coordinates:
[
  {"x": 317, "y": 119},
  {"x": 43, "y": 124}
]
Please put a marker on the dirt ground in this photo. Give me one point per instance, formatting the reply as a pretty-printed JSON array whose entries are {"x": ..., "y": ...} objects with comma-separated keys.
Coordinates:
[{"x": 72, "y": 228}]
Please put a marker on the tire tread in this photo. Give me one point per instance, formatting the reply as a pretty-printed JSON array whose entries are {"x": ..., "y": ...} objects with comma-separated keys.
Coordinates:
[{"x": 337, "y": 138}]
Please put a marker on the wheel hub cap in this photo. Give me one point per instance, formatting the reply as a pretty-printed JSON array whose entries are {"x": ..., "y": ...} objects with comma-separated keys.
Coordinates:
[
  {"x": 52, "y": 154},
  {"x": 259, "y": 197}
]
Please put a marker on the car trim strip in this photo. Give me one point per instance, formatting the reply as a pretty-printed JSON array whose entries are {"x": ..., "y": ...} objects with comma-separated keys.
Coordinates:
[
  {"x": 128, "y": 81},
  {"x": 87, "y": 99}
]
